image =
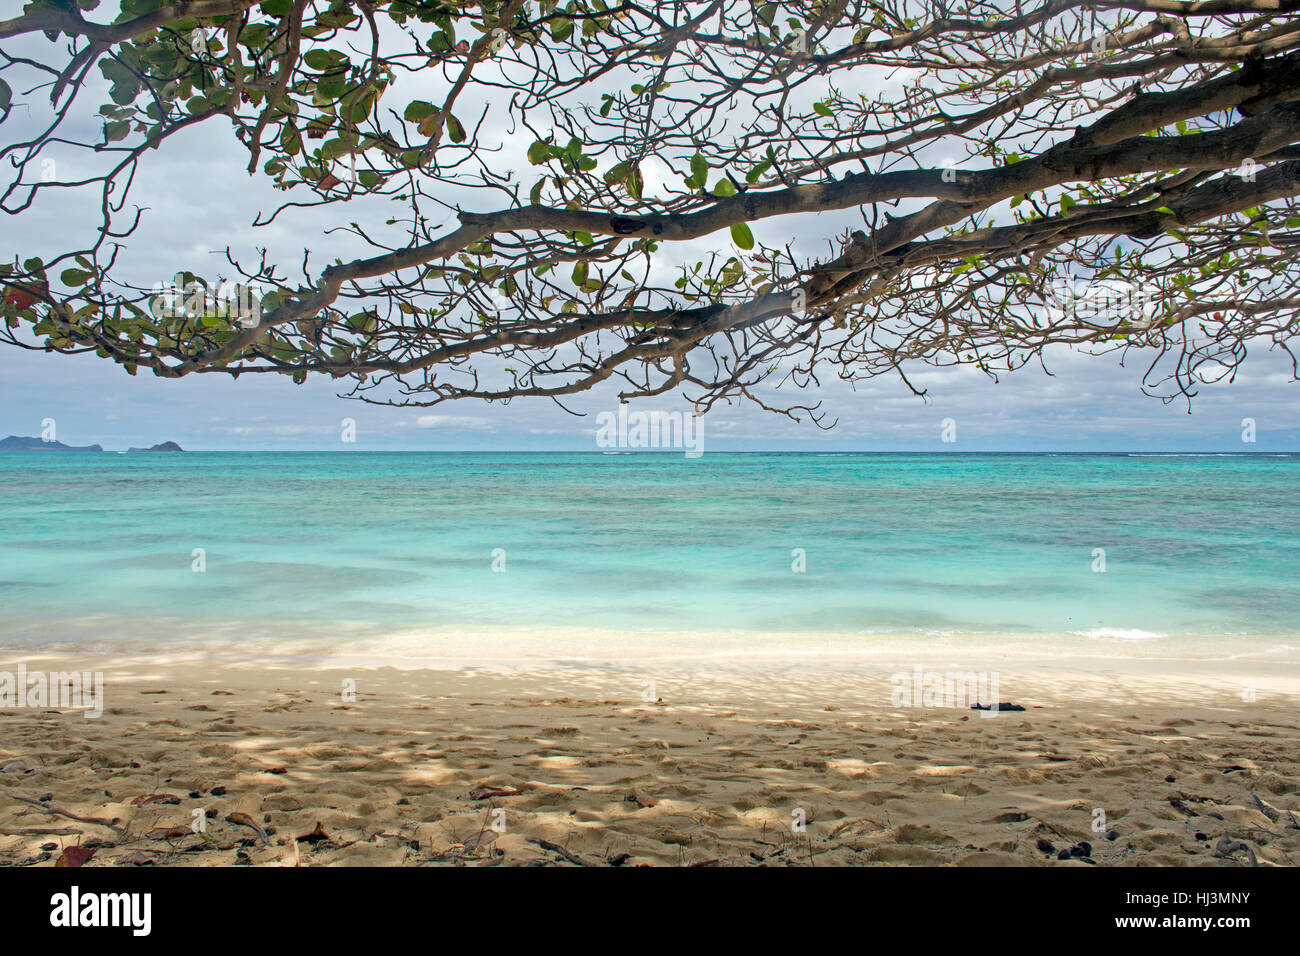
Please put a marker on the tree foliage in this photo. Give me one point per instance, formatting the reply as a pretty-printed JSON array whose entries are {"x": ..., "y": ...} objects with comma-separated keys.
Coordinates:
[{"x": 881, "y": 184}]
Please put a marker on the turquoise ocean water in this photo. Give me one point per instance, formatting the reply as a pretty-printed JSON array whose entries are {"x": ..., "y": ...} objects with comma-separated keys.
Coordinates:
[{"x": 331, "y": 547}]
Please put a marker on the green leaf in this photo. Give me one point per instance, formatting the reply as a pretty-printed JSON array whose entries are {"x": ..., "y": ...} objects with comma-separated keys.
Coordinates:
[
  {"x": 6, "y": 95},
  {"x": 454, "y": 130},
  {"x": 539, "y": 153},
  {"x": 417, "y": 110},
  {"x": 74, "y": 277},
  {"x": 741, "y": 235},
  {"x": 821, "y": 109},
  {"x": 616, "y": 173},
  {"x": 756, "y": 173},
  {"x": 724, "y": 188},
  {"x": 290, "y": 140},
  {"x": 324, "y": 60},
  {"x": 699, "y": 170}
]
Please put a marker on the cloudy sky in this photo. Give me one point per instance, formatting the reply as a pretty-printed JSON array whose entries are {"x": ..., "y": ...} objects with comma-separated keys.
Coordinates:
[{"x": 197, "y": 201}]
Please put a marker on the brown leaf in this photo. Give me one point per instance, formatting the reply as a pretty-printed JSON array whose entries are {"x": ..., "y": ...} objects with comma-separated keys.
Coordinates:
[
  {"x": 244, "y": 820},
  {"x": 641, "y": 800},
  {"x": 140, "y": 859},
  {"x": 74, "y": 856},
  {"x": 20, "y": 298},
  {"x": 429, "y": 124},
  {"x": 329, "y": 181},
  {"x": 145, "y": 800},
  {"x": 482, "y": 838},
  {"x": 169, "y": 833},
  {"x": 487, "y": 793}
]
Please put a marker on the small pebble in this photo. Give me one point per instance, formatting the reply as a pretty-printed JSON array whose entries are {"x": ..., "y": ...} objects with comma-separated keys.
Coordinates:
[
  {"x": 1045, "y": 845},
  {"x": 1170, "y": 779},
  {"x": 1112, "y": 834}
]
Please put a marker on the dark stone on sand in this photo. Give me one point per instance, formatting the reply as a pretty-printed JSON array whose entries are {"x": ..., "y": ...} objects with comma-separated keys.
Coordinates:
[
  {"x": 195, "y": 795},
  {"x": 218, "y": 791},
  {"x": 1064, "y": 854},
  {"x": 1170, "y": 779},
  {"x": 403, "y": 802},
  {"x": 1002, "y": 706},
  {"x": 1045, "y": 845},
  {"x": 1112, "y": 835},
  {"x": 1201, "y": 836}
]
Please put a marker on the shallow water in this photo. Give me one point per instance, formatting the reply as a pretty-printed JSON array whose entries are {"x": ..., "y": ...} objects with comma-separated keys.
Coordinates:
[{"x": 946, "y": 547}]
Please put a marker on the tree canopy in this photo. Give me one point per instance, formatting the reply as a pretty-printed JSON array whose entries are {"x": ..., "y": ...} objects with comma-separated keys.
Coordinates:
[{"x": 876, "y": 184}]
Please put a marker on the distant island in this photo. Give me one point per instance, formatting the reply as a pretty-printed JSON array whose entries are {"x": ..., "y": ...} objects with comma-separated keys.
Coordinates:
[
  {"x": 28, "y": 443},
  {"x": 163, "y": 446},
  {"x": 16, "y": 443}
]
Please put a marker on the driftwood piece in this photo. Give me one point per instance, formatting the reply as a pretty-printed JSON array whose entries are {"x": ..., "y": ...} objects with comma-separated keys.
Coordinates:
[
  {"x": 1268, "y": 811},
  {"x": 60, "y": 812},
  {"x": 556, "y": 848}
]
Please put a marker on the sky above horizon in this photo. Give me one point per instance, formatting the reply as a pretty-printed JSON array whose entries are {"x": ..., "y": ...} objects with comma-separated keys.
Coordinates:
[
  {"x": 196, "y": 203},
  {"x": 1089, "y": 404}
]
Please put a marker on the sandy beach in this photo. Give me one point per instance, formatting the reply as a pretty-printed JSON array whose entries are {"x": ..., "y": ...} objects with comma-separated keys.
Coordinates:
[{"x": 786, "y": 763}]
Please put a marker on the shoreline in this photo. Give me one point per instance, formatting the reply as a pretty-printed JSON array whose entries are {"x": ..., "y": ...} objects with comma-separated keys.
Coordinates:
[{"x": 320, "y": 641}]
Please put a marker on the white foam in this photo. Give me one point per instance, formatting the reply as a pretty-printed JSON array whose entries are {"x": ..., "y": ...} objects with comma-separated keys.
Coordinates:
[{"x": 1120, "y": 634}]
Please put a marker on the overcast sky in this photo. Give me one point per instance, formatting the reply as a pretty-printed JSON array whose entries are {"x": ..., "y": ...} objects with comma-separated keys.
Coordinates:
[{"x": 198, "y": 201}]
